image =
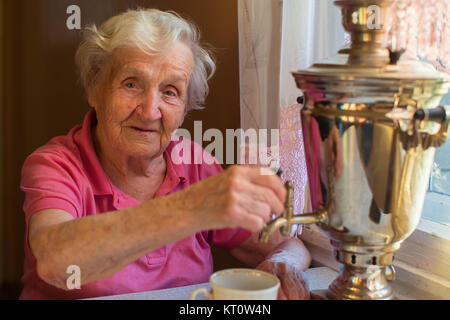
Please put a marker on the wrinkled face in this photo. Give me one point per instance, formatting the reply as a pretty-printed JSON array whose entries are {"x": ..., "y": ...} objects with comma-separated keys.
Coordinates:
[{"x": 140, "y": 100}]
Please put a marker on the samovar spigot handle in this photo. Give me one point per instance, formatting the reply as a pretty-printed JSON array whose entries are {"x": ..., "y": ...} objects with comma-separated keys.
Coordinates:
[
  {"x": 284, "y": 221},
  {"x": 287, "y": 219}
]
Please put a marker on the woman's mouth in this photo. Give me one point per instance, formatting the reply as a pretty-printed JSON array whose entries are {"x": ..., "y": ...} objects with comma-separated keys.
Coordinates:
[{"x": 143, "y": 130}]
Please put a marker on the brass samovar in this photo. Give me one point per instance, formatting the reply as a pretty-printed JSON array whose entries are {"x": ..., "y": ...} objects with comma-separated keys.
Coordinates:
[{"x": 371, "y": 123}]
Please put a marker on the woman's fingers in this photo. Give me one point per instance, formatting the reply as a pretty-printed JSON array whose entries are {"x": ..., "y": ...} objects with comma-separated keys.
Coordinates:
[
  {"x": 268, "y": 179},
  {"x": 263, "y": 177},
  {"x": 253, "y": 223},
  {"x": 293, "y": 284},
  {"x": 257, "y": 208},
  {"x": 238, "y": 197},
  {"x": 257, "y": 195},
  {"x": 259, "y": 198}
]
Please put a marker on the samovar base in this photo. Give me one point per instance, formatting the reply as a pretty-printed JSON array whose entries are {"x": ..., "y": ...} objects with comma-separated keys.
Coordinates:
[{"x": 360, "y": 283}]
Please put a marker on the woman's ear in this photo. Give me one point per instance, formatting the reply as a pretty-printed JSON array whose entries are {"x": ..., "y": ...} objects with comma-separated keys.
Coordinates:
[
  {"x": 90, "y": 102},
  {"x": 91, "y": 97}
]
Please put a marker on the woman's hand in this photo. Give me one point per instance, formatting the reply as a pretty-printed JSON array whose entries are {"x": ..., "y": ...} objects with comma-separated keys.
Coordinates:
[
  {"x": 293, "y": 283},
  {"x": 288, "y": 262},
  {"x": 238, "y": 197}
]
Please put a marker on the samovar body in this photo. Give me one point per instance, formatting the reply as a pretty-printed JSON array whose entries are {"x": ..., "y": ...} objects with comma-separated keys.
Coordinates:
[{"x": 371, "y": 174}]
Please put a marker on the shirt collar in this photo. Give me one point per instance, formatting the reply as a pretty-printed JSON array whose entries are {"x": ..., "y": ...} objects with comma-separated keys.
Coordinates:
[
  {"x": 175, "y": 173},
  {"x": 100, "y": 182}
]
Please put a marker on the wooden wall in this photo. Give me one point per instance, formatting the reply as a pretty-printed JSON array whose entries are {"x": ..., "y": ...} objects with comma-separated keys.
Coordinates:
[
  {"x": 2, "y": 251},
  {"x": 41, "y": 98}
]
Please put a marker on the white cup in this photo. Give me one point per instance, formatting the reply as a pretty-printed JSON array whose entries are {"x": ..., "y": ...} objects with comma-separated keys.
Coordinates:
[{"x": 240, "y": 284}]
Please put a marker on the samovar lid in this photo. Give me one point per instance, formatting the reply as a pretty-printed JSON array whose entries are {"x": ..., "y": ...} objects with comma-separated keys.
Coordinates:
[{"x": 405, "y": 69}]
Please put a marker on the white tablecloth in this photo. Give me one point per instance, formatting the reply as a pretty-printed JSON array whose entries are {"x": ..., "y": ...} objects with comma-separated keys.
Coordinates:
[{"x": 318, "y": 279}]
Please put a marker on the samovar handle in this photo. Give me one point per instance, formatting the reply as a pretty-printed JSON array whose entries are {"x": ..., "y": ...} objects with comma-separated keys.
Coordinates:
[{"x": 440, "y": 114}]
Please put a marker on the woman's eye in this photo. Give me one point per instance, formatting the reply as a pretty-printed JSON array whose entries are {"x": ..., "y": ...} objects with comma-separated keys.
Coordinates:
[
  {"x": 170, "y": 93},
  {"x": 130, "y": 85}
]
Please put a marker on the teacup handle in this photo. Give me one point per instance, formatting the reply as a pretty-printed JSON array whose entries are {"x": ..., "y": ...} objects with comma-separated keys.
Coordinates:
[{"x": 203, "y": 290}]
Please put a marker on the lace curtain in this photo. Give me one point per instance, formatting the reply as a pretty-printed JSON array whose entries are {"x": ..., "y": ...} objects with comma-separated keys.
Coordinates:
[
  {"x": 277, "y": 37},
  {"x": 421, "y": 28}
]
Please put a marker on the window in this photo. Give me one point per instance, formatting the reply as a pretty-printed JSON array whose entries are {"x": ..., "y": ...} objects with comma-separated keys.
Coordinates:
[{"x": 437, "y": 202}]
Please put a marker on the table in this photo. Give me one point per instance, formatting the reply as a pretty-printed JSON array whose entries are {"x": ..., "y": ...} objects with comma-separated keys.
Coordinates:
[{"x": 318, "y": 279}]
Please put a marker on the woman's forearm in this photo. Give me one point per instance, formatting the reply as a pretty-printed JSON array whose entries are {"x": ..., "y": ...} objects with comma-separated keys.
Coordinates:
[{"x": 103, "y": 244}]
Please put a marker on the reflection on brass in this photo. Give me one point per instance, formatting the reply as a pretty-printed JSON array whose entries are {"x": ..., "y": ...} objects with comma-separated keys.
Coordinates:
[{"x": 370, "y": 128}]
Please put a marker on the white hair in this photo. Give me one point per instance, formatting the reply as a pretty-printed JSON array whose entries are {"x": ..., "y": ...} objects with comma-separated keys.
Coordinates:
[{"x": 151, "y": 31}]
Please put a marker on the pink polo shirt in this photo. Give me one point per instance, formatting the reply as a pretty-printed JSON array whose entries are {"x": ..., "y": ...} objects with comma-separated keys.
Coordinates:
[{"x": 66, "y": 174}]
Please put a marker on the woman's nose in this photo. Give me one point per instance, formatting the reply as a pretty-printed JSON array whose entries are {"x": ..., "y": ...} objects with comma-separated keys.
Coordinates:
[{"x": 149, "y": 108}]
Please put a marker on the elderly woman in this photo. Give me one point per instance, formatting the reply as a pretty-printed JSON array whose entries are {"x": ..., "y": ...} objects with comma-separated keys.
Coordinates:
[{"x": 108, "y": 197}]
